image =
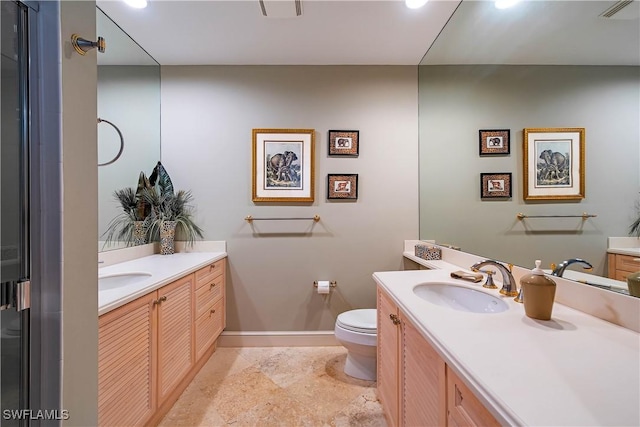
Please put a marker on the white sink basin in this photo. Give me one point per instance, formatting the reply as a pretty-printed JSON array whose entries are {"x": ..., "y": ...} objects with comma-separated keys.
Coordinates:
[
  {"x": 117, "y": 280},
  {"x": 460, "y": 298}
]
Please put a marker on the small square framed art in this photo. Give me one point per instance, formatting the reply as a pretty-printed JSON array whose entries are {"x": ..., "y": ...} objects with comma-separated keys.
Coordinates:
[
  {"x": 344, "y": 143},
  {"x": 494, "y": 142},
  {"x": 342, "y": 186},
  {"x": 495, "y": 185}
]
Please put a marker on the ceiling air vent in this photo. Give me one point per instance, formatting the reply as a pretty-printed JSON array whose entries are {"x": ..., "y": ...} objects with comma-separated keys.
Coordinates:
[
  {"x": 620, "y": 10},
  {"x": 281, "y": 8}
]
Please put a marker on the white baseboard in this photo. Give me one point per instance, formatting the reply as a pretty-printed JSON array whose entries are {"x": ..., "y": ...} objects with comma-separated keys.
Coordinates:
[{"x": 277, "y": 339}]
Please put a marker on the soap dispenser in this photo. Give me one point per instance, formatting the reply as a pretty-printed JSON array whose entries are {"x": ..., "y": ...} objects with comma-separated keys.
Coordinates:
[{"x": 539, "y": 292}]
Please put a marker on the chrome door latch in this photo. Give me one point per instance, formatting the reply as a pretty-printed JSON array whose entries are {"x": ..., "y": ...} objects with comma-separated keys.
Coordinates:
[
  {"x": 15, "y": 295},
  {"x": 23, "y": 295}
]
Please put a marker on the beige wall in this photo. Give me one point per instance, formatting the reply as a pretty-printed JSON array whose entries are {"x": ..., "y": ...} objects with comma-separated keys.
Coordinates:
[
  {"x": 457, "y": 101},
  {"x": 207, "y": 117},
  {"x": 80, "y": 224}
]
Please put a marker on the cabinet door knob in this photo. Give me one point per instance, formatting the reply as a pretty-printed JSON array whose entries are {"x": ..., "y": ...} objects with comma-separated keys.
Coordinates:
[
  {"x": 395, "y": 319},
  {"x": 212, "y": 312},
  {"x": 162, "y": 298},
  {"x": 213, "y": 285}
]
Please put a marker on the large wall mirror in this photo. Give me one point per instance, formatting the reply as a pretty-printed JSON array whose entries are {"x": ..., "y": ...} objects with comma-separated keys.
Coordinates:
[
  {"x": 128, "y": 97},
  {"x": 540, "y": 64}
]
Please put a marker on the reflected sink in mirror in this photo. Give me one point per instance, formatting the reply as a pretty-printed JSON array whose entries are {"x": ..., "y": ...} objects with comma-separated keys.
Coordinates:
[
  {"x": 460, "y": 298},
  {"x": 117, "y": 280}
]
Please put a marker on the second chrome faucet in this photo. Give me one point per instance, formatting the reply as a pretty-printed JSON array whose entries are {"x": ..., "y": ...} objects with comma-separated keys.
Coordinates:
[{"x": 509, "y": 287}]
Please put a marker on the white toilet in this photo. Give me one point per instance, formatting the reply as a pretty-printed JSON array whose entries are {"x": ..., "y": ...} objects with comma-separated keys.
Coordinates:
[{"x": 357, "y": 331}]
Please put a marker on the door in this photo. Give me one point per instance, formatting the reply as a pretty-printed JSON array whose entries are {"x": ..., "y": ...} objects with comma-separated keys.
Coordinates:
[{"x": 14, "y": 215}]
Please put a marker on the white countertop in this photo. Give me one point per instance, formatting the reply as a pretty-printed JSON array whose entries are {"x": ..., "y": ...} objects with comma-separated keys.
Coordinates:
[
  {"x": 574, "y": 370},
  {"x": 624, "y": 245},
  {"x": 625, "y": 251},
  {"x": 164, "y": 269}
]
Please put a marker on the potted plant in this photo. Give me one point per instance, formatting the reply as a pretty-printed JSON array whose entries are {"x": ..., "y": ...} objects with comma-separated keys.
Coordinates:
[
  {"x": 128, "y": 225},
  {"x": 171, "y": 213}
]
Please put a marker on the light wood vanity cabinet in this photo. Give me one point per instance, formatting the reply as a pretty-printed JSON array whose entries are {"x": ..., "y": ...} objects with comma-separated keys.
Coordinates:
[
  {"x": 127, "y": 363},
  {"x": 210, "y": 309},
  {"x": 620, "y": 266},
  {"x": 150, "y": 349},
  {"x": 388, "y": 358},
  {"x": 415, "y": 386},
  {"x": 175, "y": 334},
  {"x": 463, "y": 407}
]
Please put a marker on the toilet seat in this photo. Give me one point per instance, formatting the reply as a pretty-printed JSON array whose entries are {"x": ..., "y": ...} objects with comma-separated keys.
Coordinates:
[{"x": 362, "y": 320}]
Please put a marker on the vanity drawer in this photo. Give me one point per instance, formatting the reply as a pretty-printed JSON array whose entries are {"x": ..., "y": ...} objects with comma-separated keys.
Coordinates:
[
  {"x": 627, "y": 263},
  {"x": 208, "y": 327},
  {"x": 206, "y": 274},
  {"x": 207, "y": 295}
]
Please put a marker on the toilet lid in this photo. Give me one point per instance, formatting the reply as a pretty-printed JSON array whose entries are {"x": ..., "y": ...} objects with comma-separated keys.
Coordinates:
[{"x": 363, "y": 320}]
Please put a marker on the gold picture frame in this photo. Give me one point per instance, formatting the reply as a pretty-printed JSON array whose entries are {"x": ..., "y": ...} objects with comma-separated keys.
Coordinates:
[
  {"x": 554, "y": 163},
  {"x": 283, "y": 165}
]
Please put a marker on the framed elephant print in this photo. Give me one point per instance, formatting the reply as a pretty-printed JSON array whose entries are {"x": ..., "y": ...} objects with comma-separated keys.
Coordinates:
[
  {"x": 554, "y": 163},
  {"x": 283, "y": 165},
  {"x": 494, "y": 142},
  {"x": 344, "y": 143}
]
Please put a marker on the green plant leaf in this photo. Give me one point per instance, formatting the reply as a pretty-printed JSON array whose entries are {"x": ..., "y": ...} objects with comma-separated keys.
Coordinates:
[
  {"x": 142, "y": 207},
  {"x": 164, "y": 183}
]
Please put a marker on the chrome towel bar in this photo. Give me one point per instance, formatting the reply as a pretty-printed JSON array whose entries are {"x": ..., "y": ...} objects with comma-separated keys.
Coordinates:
[
  {"x": 249, "y": 219},
  {"x": 584, "y": 216},
  {"x": 121, "y": 142}
]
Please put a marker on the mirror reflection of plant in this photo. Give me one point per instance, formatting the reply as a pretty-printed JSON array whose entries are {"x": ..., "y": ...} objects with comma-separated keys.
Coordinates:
[
  {"x": 171, "y": 207},
  {"x": 122, "y": 226},
  {"x": 634, "y": 229}
]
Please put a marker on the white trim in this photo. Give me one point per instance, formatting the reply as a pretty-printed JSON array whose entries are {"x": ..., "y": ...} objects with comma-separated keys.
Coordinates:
[{"x": 277, "y": 339}]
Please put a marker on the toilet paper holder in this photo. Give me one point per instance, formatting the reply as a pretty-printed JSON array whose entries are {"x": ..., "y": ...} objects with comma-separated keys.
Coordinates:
[{"x": 332, "y": 284}]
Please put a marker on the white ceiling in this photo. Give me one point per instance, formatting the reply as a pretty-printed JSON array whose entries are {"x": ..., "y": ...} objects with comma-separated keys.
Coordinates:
[
  {"x": 180, "y": 32},
  {"x": 383, "y": 32}
]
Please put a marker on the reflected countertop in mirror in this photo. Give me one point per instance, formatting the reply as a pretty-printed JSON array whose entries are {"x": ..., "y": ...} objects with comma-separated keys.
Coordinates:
[{"x": 129, "y": 97}]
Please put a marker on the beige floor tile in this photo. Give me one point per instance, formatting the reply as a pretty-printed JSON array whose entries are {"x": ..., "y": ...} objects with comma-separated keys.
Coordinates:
[
  {"x": 277, "y": 386},
  {"x": 225, "y": 362},
  {"x": 328, "y": 390},
  {"x": 364, "y": 411},
  {"x": 279, "y": 409},
  {"x": 292, "y": 364},
  {"x": 240, "y": 392}
]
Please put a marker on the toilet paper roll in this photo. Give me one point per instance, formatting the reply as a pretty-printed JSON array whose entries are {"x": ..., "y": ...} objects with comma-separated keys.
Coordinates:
[{"x": 323, "y": 286}]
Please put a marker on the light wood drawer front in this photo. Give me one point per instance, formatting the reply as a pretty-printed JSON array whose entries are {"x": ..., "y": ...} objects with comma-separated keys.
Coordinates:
[
  {"x": 463, "y": 407},
  {"x": 627, "y": 263},
  {"x": 208, "y": 327},
  {"x": 622, "y": 275},
  {"x": 207, "y": 295},
  {"x": 206, "y": 274}
]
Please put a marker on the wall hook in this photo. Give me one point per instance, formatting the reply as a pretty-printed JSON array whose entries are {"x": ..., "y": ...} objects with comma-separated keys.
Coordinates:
[{"x": 82, "y": 46}]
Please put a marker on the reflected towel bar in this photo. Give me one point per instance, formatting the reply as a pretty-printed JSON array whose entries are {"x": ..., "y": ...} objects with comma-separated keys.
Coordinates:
[
  {"x": 249, "y": 219},
  {"x": 584, "y": 215},
  {"x": 121, "y": 142}
]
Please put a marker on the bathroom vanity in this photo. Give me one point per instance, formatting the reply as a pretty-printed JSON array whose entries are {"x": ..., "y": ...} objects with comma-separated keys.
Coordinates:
[
  {"x": 155, "y": 332},
  {"x": 442, "y": 366}
]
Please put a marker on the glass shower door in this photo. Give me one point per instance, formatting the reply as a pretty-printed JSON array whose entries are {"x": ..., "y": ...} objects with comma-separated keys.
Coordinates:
[{"x": 14, "y": 216}]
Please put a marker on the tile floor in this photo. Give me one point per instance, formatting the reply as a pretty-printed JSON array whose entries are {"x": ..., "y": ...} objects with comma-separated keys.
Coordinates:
[{"x": 277, "y": 386}]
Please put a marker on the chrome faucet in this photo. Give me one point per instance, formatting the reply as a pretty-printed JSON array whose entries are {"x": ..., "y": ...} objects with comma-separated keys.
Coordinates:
[
  {"x": 509, "y": 287},
  {"x": 559, "y": 270}
]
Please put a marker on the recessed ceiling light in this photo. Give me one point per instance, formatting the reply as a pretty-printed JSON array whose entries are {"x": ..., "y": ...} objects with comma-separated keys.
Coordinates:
[
  {"x": 504, "y": 4},
  {"x": 415, "y": 4},
  {"x": 138, "y": 4}
]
